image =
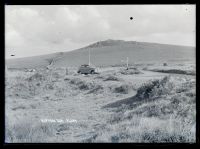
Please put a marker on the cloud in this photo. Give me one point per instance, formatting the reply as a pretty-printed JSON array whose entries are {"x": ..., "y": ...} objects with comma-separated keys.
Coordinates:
[
  {"x": 34, "y": 30},
  {"x": 148, "y": 19},
  {"x": 174, "y": 38}
]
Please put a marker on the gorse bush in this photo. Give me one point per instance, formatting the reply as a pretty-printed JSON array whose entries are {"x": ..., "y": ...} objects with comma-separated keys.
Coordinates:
[
  {"x": 112, "y": 78},
  {"x": 76, "y": 81},
  {"x": 130, "y": 71},
  {"x": 37, "y": 77},
  {"x": 96, "y": 89},
  {"x": 124, "y": 89},
  {"x": 155, "y": 88},
  {"x": 85, "y": 85}
]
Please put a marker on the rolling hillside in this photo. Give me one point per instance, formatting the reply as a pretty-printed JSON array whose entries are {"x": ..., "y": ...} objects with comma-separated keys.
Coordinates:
[{"x": 110, "y": 52}]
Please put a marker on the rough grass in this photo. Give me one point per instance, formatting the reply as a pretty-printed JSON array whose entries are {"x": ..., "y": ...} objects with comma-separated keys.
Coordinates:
[
  {"x": 36, "y": 77},
  {"x": 164, "y": 112},
  {"x": 155, "y": 88},
  {"x": 29, "y": 132},
  {"x": 147, "y": 130},
  {"x": 38, "y": 132},
  {"x": 111, "y": 78},
  {"x": 82, "y": 85},
  {"x": 122, "y": 88},
  {"x": 96, "y": 89},
  {"x": 176, "y": 71},
  {"x": 130, "y": 71}
]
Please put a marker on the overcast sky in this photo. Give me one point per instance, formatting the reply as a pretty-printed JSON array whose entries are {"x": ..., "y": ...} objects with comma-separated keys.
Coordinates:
[{"x": 35, "y": 30}]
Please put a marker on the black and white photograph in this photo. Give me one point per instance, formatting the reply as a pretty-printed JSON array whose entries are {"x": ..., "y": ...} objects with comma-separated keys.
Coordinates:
[{"x": 100, "y": 73}]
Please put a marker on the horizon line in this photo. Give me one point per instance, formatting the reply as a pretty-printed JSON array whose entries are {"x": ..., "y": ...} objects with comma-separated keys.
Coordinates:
[{"x": 94, "y": 43}]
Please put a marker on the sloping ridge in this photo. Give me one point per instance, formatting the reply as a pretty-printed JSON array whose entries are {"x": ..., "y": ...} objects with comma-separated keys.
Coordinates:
[{"x": 110, "y": 52}]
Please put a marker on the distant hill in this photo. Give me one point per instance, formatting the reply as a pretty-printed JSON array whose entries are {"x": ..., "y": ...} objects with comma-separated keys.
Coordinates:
[{"x": 110, "y": 52}]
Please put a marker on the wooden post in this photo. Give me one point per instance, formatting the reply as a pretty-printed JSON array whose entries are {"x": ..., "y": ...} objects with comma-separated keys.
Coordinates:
[
  {"x": 89, "y": 57},
  {"x": 127, "y": 63}
]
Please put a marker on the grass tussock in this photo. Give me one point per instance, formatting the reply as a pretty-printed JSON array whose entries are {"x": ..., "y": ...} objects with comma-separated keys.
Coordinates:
[
  {"x": 81, "y": 84},
  {"x": 122, "y": 89},
  {"x": 111, "y": 78},
  {"x": 36, "y": 77},
  {"x": 90, "y": 86},
  {"x": 130, "y": 71},
  {"x": 27, "y": 133},
  {"x": 155, "y": 88},
  {"x": 96, "y": 89}
]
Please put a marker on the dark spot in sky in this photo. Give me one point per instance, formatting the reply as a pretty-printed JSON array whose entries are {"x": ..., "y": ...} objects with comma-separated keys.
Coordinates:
[
  {"x": 12, "y": 55},
  {"x": 131, "y": 18}
]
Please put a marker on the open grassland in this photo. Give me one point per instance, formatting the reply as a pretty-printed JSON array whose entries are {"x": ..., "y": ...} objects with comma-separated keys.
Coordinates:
[{"x": 115, "y": 105}]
